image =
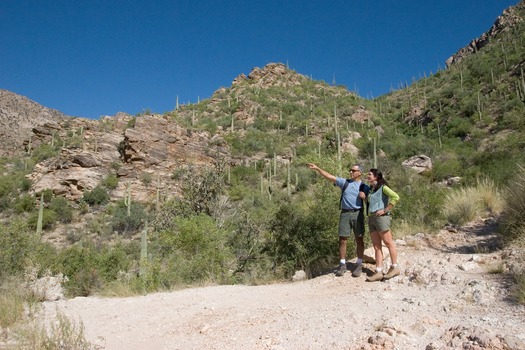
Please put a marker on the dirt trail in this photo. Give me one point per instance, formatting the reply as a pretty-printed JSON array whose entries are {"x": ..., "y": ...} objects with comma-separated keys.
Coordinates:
[{"x": 445, "y": 299}]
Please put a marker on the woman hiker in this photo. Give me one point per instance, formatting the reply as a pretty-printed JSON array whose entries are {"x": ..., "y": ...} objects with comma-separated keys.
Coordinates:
[{"x": 381, "y": 200}]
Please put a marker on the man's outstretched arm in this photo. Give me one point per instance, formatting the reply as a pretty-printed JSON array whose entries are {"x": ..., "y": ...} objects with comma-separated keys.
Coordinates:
[{"x": 323, "y": 173}]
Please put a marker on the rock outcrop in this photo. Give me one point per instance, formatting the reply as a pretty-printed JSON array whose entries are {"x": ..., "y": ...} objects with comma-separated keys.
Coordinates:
[
  {"x": 18, "y": 116},
  {"x": 419, "y": 164},
  {"x": 508, "y": 19},
  {"x": 128, "y": 146}
]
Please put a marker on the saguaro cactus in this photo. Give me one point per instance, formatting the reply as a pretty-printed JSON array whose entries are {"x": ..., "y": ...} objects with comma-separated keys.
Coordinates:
[
  {"x": 40, "y": 214},
  {"x": 127, "y": 198},
  {"x": 143, "y": 250}
]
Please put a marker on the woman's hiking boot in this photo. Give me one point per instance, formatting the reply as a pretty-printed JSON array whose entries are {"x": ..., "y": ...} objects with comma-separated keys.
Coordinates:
[
  {"x": 392, "y": 272},
  {"x": 378, "y": 276}
]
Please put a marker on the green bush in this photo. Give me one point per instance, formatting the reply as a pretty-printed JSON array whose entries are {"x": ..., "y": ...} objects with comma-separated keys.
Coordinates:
[
  {"x": 18, "y": 247},
  {"x": 196, "y": 252},
  {"x": 98, "y": 196},
  {"x": 79, "y": 265},
  {"x": 110, "y": 182},
  {"x": 24, "y": 204},
  {"x": 304, "y": 233},
  {"x": 49, "y": 219},
  {"x": 43, "y": 152},
  {"x": 61, "y": 207},
  {"x": 129, "y": 224}
]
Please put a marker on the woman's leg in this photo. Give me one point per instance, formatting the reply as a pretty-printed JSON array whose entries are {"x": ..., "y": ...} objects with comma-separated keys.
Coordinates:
[
  {"x": 389, "y": 242},
  {"x": 378, "y": 251},
  {"x": 376, "y": 241},
  {"x": 386, "y": 236}
]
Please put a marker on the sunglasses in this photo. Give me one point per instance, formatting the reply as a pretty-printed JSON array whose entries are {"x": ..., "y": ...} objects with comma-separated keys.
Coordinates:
[{"x": 353, "y": 170}]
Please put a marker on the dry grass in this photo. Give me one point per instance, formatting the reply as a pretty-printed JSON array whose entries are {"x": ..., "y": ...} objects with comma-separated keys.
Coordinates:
[
  {"x": 466, "y": 204},
  {"x": 20, "y": 330},
  {"x": 63, "y": 335},
  {"x": 519, "y": 292},
  {"x": 11, "y": 308},
  {"x": 513, "y": 220}
]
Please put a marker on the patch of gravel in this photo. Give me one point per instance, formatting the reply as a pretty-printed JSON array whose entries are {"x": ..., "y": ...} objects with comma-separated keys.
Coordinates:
[{"x": 446, "y": 298}]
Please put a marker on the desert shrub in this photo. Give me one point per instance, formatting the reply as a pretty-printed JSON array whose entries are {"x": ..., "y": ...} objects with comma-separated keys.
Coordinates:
[
  {"x": 246, "y": 242},
  {"x": 110, "y": 181},
  {"x": 61, "y": 207},
  {"x": 146, "y": 178},
  {"x": 49, "y": 218},
  {"x": 420, "y": 203},
  {"x": 116, "y": 259},
  {"x": 202, "y": 188},
  {"x": 24, "y": 204},
  {"x": 99, "y": 195},
  {"x": 129, "y": 224},
  {"x": 11, "y": 185},
  {"x": 196, "y": 251},
  {"x": 465, "y": 204},
  {"x": 79, "y": 264},
  {"x": 43, "y": 152},
  {"x": 303, "y": 233},
  {"x": 19, "y": 245},
  {"x": 512, "y": 219}
]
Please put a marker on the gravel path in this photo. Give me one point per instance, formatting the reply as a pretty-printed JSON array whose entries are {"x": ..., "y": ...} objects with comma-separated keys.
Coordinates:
[{"x": 445, "y": 299}]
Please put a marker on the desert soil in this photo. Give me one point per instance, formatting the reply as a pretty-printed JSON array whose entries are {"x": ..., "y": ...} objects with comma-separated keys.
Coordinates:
[{"x": 454, "y": 293}]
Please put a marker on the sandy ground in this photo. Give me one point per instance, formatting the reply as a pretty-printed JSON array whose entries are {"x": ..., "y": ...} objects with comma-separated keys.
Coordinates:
[{"x": 445, "y": 299}]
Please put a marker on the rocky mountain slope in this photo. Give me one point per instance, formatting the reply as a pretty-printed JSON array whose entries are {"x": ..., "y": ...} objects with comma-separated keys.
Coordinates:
[
  {"x": 508, "y": 20},
  {"x": 18, "y": 116}
]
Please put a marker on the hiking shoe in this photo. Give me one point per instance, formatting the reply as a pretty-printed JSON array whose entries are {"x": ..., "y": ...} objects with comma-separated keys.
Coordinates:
[
  {"x": 378, "y": 276},
  {"x": 358, "y": 270},
  {"x": 341, "y": 270},
  {"x": 392, "y": 272}
]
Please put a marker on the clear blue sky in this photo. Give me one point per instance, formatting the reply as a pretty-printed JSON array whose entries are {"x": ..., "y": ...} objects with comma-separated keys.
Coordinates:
[{"x": 92, "y": 58}]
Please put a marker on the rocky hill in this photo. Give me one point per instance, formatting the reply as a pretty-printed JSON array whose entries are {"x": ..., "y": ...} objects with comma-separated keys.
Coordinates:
[
  {"x": 506, "y": 22},
  {"x": 18, "y": 116},
  {"x": 153, "y": 146}
]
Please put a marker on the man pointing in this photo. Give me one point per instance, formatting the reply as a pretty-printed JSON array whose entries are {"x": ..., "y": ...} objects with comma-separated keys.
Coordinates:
[{"x": 353, "y": 193}]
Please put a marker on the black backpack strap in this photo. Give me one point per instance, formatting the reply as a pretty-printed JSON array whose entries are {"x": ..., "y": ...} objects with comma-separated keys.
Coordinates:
[{"x": 365, "y": 202}]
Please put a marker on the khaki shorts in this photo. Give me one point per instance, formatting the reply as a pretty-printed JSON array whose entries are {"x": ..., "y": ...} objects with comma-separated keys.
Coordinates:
[
  {"x": 352, "y": 222},
  {"x": 378, "y": 223}
]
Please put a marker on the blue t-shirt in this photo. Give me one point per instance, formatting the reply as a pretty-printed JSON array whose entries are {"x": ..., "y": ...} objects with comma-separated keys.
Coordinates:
[{"x": 350, "y": 198}]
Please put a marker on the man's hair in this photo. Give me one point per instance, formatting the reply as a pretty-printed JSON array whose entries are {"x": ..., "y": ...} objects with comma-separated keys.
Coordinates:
[{"x": 359, "y": 167}]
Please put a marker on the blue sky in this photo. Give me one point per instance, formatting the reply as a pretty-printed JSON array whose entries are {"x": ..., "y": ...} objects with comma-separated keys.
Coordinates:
[{"x": 94, "y": 58}]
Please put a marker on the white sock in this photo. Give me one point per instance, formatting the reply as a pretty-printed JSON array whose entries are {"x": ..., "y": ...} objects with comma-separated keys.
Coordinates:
[
  {"x": 394, "y": 265},
  {"x": 359, "y": 261},
  {"x": 342, "y": 261},
  {"x": 379, "y": 269}
]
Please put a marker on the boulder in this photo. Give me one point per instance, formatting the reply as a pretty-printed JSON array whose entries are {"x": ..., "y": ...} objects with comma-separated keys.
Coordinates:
[{"x": 419, "y": 164}]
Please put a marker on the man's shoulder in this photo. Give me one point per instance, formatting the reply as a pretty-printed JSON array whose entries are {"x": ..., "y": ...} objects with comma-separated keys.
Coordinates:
[{"x": 363, "y": 186}]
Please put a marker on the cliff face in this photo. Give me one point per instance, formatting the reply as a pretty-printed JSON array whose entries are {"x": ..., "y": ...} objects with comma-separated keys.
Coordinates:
[
  {"x": 18, "y": 116},
  {"x": 508, "y": 19}
]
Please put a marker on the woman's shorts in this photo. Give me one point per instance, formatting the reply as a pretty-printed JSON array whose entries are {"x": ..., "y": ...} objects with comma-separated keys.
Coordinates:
[{"x": 378, "y": 223}]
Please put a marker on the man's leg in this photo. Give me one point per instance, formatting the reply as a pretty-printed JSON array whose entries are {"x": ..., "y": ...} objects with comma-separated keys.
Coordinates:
[
  {"x": 342, "y": 256},
  {"x": 360, "y": 247},
  {"x": 342, "y": 248},
  {"x": 344, "y": 230}
]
